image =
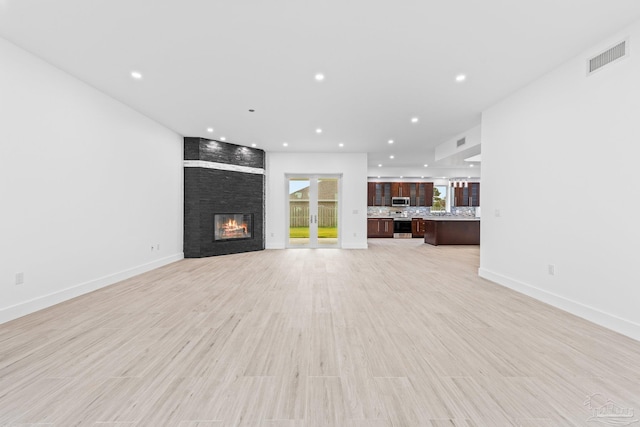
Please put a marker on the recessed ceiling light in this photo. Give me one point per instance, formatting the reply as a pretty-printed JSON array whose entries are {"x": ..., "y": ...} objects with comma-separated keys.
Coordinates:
[
  {"x": 378, "y": 176},
  {"x": 461, "y": 78},
  {"x": 422, "y": 177},
  {"x": 379, "y": 165},
  {"x": 136, "y": 75},
  {"x": 284, "y": 144},
  {"x": 341, "y": 145},
  {"x": 253, "y": 145},
  {"x": 391, "y": 156},
  {"x": 223, "y": 138},
  {"x": 414, "y": 120},
  {"x": 319, "y": 77},
  {"x": 401, "y": 177},
  {"x": 470, "y": 166},
  {"x": 425, "y": 165},
  {"x": 210, "y": 130},
  {"x": 390, "y": 141},
  {"x": 318, "y": 130}
]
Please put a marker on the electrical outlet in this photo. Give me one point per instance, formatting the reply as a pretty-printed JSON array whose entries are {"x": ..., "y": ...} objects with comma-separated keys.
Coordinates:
[
  {"x": 152, "y": 248},
  {"x": 551, "y": 269},
  {"x": 19, "y": 278}
]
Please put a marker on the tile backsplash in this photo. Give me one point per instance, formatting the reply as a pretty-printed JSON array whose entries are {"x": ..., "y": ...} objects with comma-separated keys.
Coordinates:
[{"x": 415, "y": 211}]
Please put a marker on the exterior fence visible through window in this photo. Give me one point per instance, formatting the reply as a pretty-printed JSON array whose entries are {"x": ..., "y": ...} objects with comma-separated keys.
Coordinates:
[{"x": 299, "y": 213}]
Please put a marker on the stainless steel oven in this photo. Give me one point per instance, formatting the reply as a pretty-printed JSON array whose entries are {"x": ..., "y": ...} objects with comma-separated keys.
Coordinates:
[{"x": 402, "y": 228}]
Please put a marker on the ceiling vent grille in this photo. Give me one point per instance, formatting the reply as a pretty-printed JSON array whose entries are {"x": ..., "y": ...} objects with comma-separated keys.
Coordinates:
[
  {"x": 617, "y": 52},
  {"x": 461, "y": 142}
]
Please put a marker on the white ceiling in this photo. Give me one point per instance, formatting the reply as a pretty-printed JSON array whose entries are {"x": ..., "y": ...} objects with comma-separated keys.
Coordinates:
[{"x": 206, "y": 63}]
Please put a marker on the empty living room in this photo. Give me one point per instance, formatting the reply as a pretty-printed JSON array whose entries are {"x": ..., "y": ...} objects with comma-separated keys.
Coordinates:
[{"x": 187, "y": 188}]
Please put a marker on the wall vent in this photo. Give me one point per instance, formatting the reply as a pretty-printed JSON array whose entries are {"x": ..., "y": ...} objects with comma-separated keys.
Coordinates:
[
  {"x": 613, "y": 54},
  {"x": 461, "y": 142}
]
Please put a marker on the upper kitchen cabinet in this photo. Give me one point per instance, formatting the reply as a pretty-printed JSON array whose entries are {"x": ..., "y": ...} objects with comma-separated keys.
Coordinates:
[
  {"x": 419, "y": 193},
  {"x": 467, "y": 196},
  {"x": 474, "y": 193},
  {"x": 424, "y": 194},
  {"x": 401, "y": 189},
  {"x": 371, "y": 193},
  {"x": 379, "y": 194}
]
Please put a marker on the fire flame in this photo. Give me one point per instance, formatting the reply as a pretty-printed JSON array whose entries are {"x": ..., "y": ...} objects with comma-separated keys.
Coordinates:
[
  {"x": 231, "y": 229},
  {"x": 232, "y": 224}
]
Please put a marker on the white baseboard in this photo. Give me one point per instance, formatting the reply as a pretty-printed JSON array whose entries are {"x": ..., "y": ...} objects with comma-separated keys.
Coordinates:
[
  {"x": 39, "y": 303},
  {"x": 609, "y": 321},
  {"x": 275, "y": 246},
  {"x": 356, "y": 246}
]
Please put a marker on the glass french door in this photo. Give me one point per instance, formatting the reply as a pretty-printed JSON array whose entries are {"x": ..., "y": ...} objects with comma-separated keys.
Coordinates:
[{"x": 313, "y": 220}]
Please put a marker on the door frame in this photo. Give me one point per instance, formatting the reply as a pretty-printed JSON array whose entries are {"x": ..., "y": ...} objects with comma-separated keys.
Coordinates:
[{"x": 313, "y": 185}]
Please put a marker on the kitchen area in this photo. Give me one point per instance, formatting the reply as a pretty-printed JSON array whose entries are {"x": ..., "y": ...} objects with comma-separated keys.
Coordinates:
[{"x": 445, "y": 212}]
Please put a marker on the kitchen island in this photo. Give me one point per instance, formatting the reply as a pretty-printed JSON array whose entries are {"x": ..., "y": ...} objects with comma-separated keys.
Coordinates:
[{"x": 452, "y": 230}]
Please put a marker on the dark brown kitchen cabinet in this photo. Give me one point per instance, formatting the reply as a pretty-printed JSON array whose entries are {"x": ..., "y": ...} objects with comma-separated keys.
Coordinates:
[
  {"x": 424, "y": 194},
  {"x": 417, "y": 227},
  {"x": 456, "y": 232},
  {"x": 372, "y": 227},
  {"x": 401, "y": 189},
  {"x": 467, "y": 196},
  {"x": 371, "y": 193},
  {"x": 378, "y": 194},
  {"x": 474, "y": 193},
  {"x": 419, "y": 193},
  {"x": 459, "y": 197},
  {"x": 379, "y": 227}
]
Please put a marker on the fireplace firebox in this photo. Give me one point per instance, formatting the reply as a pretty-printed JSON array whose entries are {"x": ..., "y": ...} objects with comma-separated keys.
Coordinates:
[{"x": 233, "y": 226}]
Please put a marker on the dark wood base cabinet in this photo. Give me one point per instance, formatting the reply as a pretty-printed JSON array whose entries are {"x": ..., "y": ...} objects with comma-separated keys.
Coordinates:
[
  {"x": 456, "y": 232},
  {"x": 380, "y": 227},
  {"x": 417, "y": 227}
]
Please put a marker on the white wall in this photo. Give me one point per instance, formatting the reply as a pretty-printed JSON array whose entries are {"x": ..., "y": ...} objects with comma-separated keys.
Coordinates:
[
  {"x": 353, "y": 203},
  {"x": 540, "y": 148},
  {"x": 450, "y": 147},
  {"x": 87, "y": 185}
]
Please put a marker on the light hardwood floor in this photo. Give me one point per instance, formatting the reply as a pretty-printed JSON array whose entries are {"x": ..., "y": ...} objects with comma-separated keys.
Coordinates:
[{"x": 402, "y": 334}]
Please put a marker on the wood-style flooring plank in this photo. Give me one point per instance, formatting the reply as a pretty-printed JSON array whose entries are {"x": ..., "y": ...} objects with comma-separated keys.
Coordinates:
[{"x": 401, "y": 334}]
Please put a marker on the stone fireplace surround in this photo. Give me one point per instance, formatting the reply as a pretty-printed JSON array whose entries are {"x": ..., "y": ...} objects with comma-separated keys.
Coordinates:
[{"x": 221, "y": 178}]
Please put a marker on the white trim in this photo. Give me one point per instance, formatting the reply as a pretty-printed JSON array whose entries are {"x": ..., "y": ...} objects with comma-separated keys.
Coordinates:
[
  {"x": 222, "y": 166},
  {"x": 313, "y": 207},
  {"x": 42, "y": 302},
  {"x": 586, "y": 312},
  {"x": 275, "y": 246},
  {"x": 355, "y": 246}
]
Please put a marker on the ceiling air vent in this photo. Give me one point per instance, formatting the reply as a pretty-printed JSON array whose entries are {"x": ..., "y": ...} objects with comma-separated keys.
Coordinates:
[
  {"x": 461, "y": 142},
  {"x": 617, "y": 52}
]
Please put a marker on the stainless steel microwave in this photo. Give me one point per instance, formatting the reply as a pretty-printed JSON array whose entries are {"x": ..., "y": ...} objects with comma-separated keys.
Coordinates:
[{"x": 400, "y": 201}]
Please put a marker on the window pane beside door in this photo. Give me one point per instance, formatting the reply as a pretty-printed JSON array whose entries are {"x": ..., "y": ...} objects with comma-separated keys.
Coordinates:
[
  {"x": 327, "y": 211},
  {"x": 299, "y": 211}
]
